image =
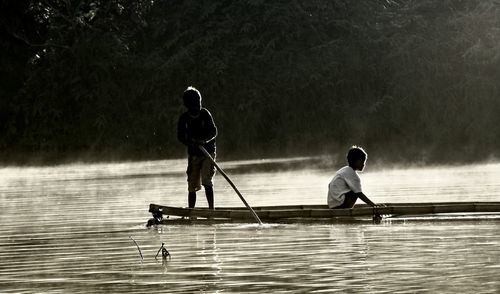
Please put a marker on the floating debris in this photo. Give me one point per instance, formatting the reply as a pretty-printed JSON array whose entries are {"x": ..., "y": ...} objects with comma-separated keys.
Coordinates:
[
  {"x": 138, "y": 248},
  {"x": 164, "y": 253}
]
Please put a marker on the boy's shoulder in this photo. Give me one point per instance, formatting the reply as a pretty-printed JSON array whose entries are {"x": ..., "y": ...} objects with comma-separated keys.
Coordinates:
[
  {"x": 346, "y": 171},
  {"x": 205, "y": 111}
]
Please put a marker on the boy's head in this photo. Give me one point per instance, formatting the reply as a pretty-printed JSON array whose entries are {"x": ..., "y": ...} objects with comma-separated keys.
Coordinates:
[
  {"x": 192, "y": 100},
  {"x": 356, "y": 157}
]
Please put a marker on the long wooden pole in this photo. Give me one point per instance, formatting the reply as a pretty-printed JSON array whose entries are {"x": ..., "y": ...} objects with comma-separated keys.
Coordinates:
[{"x": 230, "y": 183}]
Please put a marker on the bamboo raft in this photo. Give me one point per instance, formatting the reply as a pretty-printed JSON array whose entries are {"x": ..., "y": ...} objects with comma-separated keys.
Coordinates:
[{"x": 161, "y": 214}]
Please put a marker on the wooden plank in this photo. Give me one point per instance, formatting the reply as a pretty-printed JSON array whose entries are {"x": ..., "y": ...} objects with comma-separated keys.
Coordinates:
[
  {"x": 245, "y": 214},
  {"x": 329, "y": 213},
  {"x": 206, "y": 213},
  {"x": 241, "y": 214},
  {"x": 421, "y": 209},
  {"x": 487, "y": 207},
  {"x": 175, "y": 211},
  {"x": 266, "y": 208},
  {"x": 188, "y": 212},
  {"x": 153, "y": 207},
  {"x": 445, "y": 208},
  {"x": 362, "y": 211},
  {"x": 288, "y": 213}
]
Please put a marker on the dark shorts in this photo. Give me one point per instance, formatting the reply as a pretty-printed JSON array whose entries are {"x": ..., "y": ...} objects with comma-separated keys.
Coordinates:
[
  {"x": 349, "y": 200},
  {"x": 200, "y": 171}
]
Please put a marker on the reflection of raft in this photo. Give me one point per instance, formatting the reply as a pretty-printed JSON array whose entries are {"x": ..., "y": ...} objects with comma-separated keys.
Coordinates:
[{"x": 318, "y": 212}]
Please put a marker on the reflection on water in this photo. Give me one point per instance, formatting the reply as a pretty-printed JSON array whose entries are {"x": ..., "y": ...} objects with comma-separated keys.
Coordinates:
[{"x": 67, "y": 229}]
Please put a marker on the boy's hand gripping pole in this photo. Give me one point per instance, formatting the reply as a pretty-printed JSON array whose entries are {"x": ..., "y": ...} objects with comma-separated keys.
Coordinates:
[{"x": 230, "y": 183}]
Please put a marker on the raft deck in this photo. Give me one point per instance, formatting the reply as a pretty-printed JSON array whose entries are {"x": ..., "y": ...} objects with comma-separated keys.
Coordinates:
[{"x": 311, "y": 212}]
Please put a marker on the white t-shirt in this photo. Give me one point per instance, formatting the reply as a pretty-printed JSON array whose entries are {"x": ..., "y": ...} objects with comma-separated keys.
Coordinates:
[{"x": 345, "y": 180}]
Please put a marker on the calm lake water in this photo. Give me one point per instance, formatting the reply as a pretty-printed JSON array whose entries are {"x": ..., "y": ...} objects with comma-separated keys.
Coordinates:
[{"x": 69, "y": 229}]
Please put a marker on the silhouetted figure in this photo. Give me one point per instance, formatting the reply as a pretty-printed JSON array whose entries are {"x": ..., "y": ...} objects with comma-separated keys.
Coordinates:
[
  {"x": 345, "y": 187},
  {"x": 196, "y": 127}
]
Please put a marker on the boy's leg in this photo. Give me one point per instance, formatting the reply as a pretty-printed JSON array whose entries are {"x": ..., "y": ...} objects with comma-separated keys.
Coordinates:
[
  {"x": 209, "y": 191},
  {"x": 193, "y": 178},
  {"x": 192, "y": 199},
  {"x": 207, "y": 174},
  {"x": 350, "y": 199}
]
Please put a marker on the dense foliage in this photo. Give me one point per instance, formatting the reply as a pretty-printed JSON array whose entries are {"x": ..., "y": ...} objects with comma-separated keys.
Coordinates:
[{"x": 410, "y": 80}]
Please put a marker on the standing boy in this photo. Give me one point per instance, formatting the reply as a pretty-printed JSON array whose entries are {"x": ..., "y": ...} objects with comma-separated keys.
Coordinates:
[
  {"x": 196, "y": 128},
  {"x": 345, "y": 187}
]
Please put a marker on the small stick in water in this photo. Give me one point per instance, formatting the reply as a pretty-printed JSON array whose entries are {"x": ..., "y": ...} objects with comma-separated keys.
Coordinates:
[
  {"x": 142, "y": 258},
  {"x": 164, "y": 252}
]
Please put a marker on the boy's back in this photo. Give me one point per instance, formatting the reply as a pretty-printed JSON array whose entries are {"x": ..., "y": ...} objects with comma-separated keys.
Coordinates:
[{"x": 345, "y": 180}]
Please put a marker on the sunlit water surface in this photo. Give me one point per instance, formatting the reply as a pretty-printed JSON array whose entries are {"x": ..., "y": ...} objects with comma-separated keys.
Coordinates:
[{"x": 69, "y": 229}]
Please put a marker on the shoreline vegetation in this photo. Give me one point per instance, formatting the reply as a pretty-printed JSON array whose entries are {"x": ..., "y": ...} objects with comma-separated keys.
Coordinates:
[{"x": 412, "y": 81}]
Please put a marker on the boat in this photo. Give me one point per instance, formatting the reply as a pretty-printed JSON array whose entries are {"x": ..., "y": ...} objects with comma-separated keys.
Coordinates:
[{"x": 292, "y": 213}]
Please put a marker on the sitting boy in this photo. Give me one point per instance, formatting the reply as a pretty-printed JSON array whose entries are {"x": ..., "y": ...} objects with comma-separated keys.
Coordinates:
[{"x": 345, "y": 187}]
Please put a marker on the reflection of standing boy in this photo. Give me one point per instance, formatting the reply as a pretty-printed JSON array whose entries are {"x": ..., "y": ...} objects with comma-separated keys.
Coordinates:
[
  {"x": 345, "y": 187},
  {"x": 196, "y": 127}
]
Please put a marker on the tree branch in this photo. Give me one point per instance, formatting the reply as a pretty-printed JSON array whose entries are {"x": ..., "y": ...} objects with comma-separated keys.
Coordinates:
[{"x": 29, "y": 43}]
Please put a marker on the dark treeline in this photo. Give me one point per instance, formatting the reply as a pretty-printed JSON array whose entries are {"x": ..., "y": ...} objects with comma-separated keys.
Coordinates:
[{"x": 410, "y": 80}]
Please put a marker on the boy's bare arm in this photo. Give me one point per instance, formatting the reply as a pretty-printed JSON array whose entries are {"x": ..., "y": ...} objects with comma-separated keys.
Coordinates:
[
  {"x": 212, "y": 133},
  {"x": 211, "y": 129},
  {"x": 210, "y": 136},
  {"x": 365, "y": 199},
  {"x": 182, "y": 132}
]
